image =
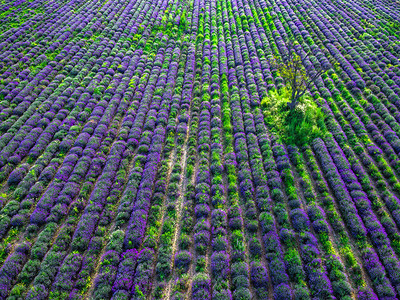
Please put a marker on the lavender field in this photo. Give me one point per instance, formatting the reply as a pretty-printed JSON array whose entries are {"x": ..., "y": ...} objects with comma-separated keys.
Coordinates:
[{"x": 137, "y": 162}]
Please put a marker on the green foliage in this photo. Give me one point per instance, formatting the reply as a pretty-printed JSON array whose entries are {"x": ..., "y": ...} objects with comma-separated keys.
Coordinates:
[
  {"x": 12, "y": 235},
  {"x": 297, "y": 126},
  {"x": 200, "y": 264},
  {"x": 138, "y": 293},
  {"x": 17, "y": 291}
]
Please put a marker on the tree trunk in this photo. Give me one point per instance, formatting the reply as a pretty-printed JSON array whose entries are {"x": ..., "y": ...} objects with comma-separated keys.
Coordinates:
[{"x": 293, "y": 102}]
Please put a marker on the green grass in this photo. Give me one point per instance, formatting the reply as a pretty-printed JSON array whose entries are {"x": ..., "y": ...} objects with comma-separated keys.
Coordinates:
[{"x": 297, "y": 126}]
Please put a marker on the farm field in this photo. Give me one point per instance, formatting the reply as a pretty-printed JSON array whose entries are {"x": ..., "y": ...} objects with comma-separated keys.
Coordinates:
[{"x": 137, "y": 160}]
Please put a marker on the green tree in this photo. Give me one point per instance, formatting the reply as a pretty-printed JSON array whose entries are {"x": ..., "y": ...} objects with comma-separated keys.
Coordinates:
[{"x": 297, "y": 75}]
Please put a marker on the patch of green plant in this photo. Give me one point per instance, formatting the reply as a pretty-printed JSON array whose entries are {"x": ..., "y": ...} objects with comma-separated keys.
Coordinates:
[
  {"x": 295, "y": 126},
  {"x": 12, "y": 235}
]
